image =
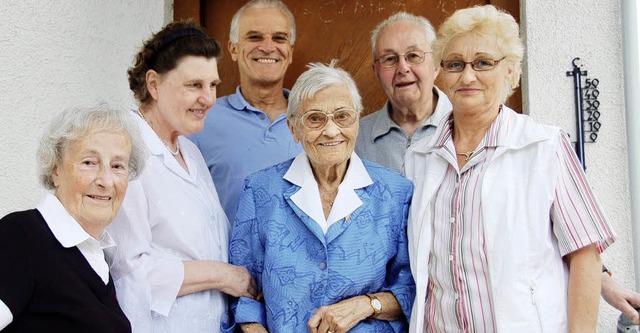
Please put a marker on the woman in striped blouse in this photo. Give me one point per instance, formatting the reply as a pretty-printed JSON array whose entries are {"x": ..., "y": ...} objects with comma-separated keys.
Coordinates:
[{"x": 504, "y": 232}]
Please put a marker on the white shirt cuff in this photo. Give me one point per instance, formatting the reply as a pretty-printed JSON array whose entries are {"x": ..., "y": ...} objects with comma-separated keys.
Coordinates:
[{"x": 6, "y": 317}]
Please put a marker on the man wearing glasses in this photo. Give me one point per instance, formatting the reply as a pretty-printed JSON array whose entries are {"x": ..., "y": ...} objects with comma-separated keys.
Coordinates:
[{"x": 404, "y": 68}]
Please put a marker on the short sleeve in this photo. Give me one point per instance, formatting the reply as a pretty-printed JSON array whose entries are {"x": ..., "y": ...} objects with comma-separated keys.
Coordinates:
[{"x": 578, "y": 219}]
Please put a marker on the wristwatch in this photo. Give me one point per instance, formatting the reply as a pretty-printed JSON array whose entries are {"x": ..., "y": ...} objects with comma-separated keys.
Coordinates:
[{"x": 375, "y": 304}]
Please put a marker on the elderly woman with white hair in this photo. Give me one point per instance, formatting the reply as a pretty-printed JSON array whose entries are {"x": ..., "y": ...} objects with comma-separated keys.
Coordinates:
[
  {"x": 324, "y": 234},
  {"x": 505, "y": 232},
  {"x": 54, "y": 276}
]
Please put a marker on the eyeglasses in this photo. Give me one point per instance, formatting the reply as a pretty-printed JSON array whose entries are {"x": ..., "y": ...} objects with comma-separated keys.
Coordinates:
[
  {"x": 317, "y": 119},
  {"x": 478, "y": 65},
  {"x": 412, "y": 58}
]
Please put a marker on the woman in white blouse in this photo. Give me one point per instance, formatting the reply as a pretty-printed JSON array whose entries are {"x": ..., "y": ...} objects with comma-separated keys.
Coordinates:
[{"x": 170, "y": 268}]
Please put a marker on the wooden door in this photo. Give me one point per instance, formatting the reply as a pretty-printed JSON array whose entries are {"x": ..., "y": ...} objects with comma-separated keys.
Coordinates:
[{"x": 330, "y": 29}]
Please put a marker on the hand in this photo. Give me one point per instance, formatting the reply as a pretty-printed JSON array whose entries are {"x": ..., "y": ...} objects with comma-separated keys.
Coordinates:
[
  {"x": 620, "y": 298},
  {"x": 252, "y": 328},
  {"x": 236, "y": 281},
  {"x": 340, "y": 317}
]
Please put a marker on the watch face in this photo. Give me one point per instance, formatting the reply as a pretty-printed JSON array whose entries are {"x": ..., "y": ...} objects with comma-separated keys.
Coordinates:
[{"x": 376, "y": 304}]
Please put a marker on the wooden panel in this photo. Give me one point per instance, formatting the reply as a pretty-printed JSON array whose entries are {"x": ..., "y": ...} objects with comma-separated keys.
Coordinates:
[
  {"x": 183, "y": 9},
  {"x": 328, "y": 29},
  {"x": 511, "y": 6}
]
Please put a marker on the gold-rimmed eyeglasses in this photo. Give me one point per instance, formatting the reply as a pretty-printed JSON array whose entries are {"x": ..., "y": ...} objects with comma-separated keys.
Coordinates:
[
  {"x": 316, "y": 119},
  {"x": 478, "y": 65},
  {"x": 415, "y": 57}
]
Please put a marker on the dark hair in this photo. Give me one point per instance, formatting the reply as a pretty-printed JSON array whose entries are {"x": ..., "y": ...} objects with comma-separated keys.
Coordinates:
[{"x": 164, "y": 49}]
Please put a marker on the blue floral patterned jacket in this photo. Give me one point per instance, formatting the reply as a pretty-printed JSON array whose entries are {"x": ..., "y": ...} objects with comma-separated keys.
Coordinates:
[{"x": 299, "y": 268}]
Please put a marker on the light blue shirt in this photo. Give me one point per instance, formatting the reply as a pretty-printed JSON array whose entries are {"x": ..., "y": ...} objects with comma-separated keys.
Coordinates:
[
  {"x": 382, "y": 141},
  {"x": 279, "y": 236},
  {"x": 238, "y": 140}
]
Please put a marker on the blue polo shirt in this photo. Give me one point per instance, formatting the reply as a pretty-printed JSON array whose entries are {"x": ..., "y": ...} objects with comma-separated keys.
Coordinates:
[{"x": 238, "y": 140}]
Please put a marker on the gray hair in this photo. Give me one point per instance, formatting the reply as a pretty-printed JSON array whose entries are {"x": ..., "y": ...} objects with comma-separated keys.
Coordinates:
[
  {"x": 235, "y": 21},
  {"x": 429, "y": 31},
  {"x": 75, "y": 123},
  {"x": 318, "y": 77}
]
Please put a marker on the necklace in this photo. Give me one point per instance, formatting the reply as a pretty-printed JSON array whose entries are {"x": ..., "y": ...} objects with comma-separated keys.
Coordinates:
[
  {"x": 166, "y": 145},
  {"x": 329, "y": 201},
  {"x": 328, "y": 196},
  {"x": 466, "y": 155}
]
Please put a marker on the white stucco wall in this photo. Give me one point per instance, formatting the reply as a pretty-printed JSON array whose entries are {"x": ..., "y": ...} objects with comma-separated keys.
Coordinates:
[
  {"x": 55, "y": 54},
  {"x": 556, "y": 32}
]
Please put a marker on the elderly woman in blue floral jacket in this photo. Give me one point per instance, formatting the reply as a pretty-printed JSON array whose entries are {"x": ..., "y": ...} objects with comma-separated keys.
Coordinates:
[{"x": 324, "y": 234}]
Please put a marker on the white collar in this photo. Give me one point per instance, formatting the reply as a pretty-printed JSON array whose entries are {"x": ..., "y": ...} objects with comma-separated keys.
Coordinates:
[
  {"x": 64, "y": 227},
  {"x": 308, "y": 197},
  {"x": 158, "y": 149}
]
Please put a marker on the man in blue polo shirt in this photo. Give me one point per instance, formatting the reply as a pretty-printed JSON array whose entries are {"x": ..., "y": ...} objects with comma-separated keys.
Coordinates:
[{"x": 247, "y": 131}]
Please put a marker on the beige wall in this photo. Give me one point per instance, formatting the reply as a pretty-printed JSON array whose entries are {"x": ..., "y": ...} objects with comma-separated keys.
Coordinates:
[
  {"x": 556, "y": 32},
  {"x": 55, "y": 54}
]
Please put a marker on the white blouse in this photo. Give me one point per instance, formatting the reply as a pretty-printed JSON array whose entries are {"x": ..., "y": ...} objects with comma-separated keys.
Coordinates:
[{"x": 168, "y": 216}]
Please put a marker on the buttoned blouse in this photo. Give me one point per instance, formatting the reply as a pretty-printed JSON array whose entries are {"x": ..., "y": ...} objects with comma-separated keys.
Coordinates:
[
  {"x": 168, "y": 216},
  {"x": 487, "y": 241}
]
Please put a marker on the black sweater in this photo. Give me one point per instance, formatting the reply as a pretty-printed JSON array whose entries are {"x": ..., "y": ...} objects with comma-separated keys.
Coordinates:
[{"x": 49, "y": 288}]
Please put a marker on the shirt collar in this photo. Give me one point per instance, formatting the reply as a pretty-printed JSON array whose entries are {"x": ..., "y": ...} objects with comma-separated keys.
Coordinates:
[
  {"x": 307, "y": 198},
  {"x": 300, "y": 172},
  {"x": 153, "y": 142},
  {"x": 384, "y": 123},
  {"x": 494, "y": 137},
  {"x": 64, "y": 227},
  {"x": 156, "y": 147},
  {"x": 238, "y": 102}
]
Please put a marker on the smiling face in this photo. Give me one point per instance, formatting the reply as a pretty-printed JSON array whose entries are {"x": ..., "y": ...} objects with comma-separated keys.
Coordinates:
[
  {"x": 330, "y": 145},
  {"x": 263, "y": 50},
  {"x": 92, "y": 178},
  {"x": 470, "y": 90},
  {"x": 404, "y": 85},
  {"x": 184, "y": 95}
]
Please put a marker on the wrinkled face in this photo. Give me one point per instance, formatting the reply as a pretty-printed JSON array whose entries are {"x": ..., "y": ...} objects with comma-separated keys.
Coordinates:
[
  {"x": 470, "y": 90},
  {"x": 91, "y": 180},
  {"x": 263, "y": 50},
  {"x": 185, "y": 94},
  {"x": 405, "y": 85},
  {"x": 329, "y": 145}
]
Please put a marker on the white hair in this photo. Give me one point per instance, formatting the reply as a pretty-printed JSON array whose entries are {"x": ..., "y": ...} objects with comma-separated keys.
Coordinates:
[
  {"x": 235, "y": 21},
  {"x": 75, "y": 123},
  {"x": 429, "y": 31},
  {"x": 317, "y": 77}
]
